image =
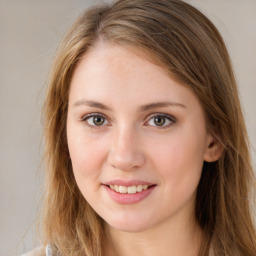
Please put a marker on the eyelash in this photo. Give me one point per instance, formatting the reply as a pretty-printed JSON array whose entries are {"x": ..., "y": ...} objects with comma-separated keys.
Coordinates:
[
  {"x": 166, "y": 117},
  {"x": 93, "y": 115}
]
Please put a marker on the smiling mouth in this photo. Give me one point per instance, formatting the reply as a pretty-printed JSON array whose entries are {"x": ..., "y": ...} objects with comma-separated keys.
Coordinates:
[{"x": 130, "y": 189}]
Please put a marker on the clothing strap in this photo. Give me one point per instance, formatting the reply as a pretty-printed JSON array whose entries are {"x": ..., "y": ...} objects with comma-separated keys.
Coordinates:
[{"x": 48, "y": 250}]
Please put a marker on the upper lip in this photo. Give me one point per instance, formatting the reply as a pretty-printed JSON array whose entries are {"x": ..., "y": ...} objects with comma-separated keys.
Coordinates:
[{"x": 127, "y": 183}]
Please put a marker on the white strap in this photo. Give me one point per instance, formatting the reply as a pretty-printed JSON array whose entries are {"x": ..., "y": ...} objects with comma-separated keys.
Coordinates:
[{"x": 48, "y": 250}]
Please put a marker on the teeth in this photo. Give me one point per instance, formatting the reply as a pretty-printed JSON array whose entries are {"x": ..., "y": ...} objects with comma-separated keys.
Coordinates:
[
  {"x": 144, "y": 187},
  {"x": 123, "y": 189},
  {"x": 129, "y": 190},
  {"x": 132, "y": 190},
  {"x": 139, "y": 188}
]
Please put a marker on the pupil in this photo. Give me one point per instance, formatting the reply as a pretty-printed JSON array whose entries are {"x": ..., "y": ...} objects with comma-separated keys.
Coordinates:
[
  {"x": 159, "y": 121},
  {"x": 98, "y": 120}
]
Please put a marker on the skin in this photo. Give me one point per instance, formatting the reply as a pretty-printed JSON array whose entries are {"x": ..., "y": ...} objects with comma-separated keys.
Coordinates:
[{"x": 129, "y": 144}]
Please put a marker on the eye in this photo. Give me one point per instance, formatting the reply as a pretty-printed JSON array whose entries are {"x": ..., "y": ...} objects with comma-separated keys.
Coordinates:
[
  {"x": 161, "y": 120},
  {"x": 94, "y": 120}
]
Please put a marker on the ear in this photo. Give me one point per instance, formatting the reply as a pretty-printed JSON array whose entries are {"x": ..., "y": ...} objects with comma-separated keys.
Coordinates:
[{"x": 213, "y": 150}]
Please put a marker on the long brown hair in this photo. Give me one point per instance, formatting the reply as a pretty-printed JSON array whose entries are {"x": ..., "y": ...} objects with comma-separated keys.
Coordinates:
[{"x": 187, "y": 44}]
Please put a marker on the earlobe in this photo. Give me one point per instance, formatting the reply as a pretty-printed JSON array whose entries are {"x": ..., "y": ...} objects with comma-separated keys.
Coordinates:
[{"x": 213, "y": 150}]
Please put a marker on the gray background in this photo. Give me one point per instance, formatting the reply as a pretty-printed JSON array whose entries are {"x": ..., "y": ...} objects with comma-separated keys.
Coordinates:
[{"x": 30, "y": 31}]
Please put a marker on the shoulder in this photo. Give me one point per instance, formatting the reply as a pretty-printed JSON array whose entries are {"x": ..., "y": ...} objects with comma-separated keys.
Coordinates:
[{"x": 39, "y": 251}]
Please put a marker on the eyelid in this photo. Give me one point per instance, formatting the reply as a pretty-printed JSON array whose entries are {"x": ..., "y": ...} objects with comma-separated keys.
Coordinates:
[
  {"x": 85, "y": 117},
  {"x": 171, "y": 118}
]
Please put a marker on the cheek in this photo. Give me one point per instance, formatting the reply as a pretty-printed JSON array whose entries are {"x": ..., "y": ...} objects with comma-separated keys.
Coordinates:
[
  {"x": 179, "y": 159},
  {"x": 86, "y": 160},
  {"x": 87, "y": 155}
]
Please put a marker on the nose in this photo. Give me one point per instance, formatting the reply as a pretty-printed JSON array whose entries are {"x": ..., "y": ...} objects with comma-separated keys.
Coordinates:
[{"x": 126, "y": 151}]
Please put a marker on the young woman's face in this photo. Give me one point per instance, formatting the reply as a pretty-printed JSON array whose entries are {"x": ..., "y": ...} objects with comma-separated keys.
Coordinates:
[{"x": 137, "y": 139}]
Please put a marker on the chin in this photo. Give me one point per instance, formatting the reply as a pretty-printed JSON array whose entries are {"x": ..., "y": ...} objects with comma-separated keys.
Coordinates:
[{"x": 125, "y": 224}]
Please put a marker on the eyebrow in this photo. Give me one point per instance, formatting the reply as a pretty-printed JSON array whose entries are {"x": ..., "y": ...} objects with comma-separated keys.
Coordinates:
[
  {"x": 143, "y": 108},
  {"x": 161, "y": 105},
  {"x": 90, "y": 103}
]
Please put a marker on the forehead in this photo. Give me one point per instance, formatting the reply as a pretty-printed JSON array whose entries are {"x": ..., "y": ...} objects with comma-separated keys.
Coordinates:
[
  {"x": 120, "y": 57},
  {"x": 108, "y": 71}
]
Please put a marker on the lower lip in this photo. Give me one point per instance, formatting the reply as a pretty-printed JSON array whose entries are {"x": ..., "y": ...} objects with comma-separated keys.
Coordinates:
[{"x": 129, "y": 198}]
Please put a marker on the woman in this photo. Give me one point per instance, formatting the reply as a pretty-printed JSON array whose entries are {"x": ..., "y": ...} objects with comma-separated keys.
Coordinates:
[{"x": 145, "y": 142}]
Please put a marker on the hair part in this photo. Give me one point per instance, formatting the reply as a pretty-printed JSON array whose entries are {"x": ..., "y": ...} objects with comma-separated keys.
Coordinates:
[{"x": 190, "y": 48}]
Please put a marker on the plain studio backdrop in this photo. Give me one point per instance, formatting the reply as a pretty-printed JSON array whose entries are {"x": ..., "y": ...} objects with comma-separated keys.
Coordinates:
[{"x": 30, "y": 31}]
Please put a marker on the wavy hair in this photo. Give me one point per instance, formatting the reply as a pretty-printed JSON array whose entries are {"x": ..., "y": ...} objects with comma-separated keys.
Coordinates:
[{"x": 184, "y": 42}]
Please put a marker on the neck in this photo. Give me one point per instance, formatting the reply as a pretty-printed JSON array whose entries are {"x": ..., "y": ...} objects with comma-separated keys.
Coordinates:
[{"x": 174, "y": 238}]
